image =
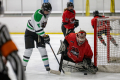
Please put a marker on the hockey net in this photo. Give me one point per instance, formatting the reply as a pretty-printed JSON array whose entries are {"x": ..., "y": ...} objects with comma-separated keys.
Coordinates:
[{"x": 107, "y": 58}]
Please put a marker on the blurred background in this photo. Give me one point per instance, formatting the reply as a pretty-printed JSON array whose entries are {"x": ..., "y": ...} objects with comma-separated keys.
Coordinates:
[
  {"x": 26, "y": 7},
  {"x": 18, "y": 12}
]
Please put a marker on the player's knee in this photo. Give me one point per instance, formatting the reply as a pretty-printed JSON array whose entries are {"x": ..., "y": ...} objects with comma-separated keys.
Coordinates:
[
  {"x": 28, "y": 51},
  {"x": 100, "y": 37},
  {"x": 42, "y": 50}
]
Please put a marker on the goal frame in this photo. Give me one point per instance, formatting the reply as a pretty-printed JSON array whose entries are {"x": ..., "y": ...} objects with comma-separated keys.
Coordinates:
[{"x": 112, "y": 63}]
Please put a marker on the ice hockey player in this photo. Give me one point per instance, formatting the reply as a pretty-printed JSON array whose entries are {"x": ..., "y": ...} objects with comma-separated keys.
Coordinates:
[
  {"x": 101, "y": 30},
  {"x": 8, "y": 52},
  {"x": 68, "y": 19},
  {"x": 76, "y": 48},
  {"x": 35, "y": 32}
]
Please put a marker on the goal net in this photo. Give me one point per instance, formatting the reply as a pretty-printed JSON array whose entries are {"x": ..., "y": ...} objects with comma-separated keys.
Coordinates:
[{"x": 107, "y": 44}]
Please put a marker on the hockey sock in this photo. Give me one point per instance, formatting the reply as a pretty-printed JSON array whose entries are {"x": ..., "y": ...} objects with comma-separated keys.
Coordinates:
[
  {"x": 44, "y": 56},
  {"x": 102, "y": 40},
  {"x": 26, "y": 56},
  {"x": 113, "y": 40}
]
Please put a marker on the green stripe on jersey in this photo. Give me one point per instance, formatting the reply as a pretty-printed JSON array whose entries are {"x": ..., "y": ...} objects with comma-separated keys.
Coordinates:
[
  {"x": 25, "y": 60},
  {"x": 41, "y": 33},
  {"x": 38, "y": 25},
  {"x": 37, "y": 16},
  {"x": 45, "y": 59},
  {"x": 29, "y": 27}
]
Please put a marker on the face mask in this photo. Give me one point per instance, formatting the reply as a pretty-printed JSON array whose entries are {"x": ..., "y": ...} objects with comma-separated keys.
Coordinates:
[{"x": 80, "y": 37}]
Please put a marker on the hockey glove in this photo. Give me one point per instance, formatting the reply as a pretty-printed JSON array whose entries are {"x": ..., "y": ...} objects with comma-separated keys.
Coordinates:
[
  {"x": 70, "y": 31},
  {"x": 76, "y": 23},
  {"x": 47, "y": 39}
]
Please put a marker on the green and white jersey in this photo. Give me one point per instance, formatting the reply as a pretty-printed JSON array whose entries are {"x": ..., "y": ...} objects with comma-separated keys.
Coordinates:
[{"x": 36, "y": 21}]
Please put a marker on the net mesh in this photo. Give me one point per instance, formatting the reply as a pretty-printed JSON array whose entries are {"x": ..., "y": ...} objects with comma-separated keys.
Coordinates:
[{"x": 108, "y": 44}]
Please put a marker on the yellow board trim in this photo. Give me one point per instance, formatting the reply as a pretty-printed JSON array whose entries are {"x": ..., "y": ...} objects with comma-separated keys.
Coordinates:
[
  {"x": 16, "y": 33},
  {"x": 62, "y": 33}
]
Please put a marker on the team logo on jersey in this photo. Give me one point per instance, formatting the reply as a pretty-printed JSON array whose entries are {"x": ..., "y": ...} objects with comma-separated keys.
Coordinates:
[
  {"x": 72, "y": 20},
  {"x": 75, "y": 51},
  {"x": 72, "y": 41},
  {"x": 66, "y": 19}
]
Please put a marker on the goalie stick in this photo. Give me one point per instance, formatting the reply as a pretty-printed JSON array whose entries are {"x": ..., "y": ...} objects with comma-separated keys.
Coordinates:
[{"x": 62, "y": 56}]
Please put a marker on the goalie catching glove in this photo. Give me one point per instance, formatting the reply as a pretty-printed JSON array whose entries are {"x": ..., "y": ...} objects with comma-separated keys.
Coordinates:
[{"x": 46, "y": 39}]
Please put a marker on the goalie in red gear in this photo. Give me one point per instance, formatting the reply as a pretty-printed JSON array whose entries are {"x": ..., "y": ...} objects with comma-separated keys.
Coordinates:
[
  {"x": 102, "y": 29},
  {"x": 76, "y": 49}
]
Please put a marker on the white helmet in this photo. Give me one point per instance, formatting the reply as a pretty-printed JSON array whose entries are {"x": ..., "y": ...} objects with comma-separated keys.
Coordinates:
[{"x": 81, "y": 37}]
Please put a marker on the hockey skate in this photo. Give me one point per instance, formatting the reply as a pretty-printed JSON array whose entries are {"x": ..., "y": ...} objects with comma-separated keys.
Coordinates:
[
  {"x": 62, "y": 48},
  {"x": 47, "y": 68},
  {"x": 116, "y": 45}
]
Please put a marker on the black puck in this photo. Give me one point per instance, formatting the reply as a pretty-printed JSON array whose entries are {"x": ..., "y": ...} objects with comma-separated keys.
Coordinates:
[{"x": 85, "y": 73}]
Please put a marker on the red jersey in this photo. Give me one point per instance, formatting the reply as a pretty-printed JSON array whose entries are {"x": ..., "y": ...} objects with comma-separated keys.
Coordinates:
[
  {"x": 69, "y": 18},
  {"x": 76, "y": 52},
  {"x": 102, "y": 24},
  {"x": 93, "y": 20}
]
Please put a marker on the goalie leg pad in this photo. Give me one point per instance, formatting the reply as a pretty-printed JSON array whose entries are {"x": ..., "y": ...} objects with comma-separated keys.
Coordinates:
[{"x": 72, "y": 67}]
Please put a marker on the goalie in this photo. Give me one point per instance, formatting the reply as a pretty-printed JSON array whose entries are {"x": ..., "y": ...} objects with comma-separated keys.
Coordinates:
[{"x": 76, "y": 49}]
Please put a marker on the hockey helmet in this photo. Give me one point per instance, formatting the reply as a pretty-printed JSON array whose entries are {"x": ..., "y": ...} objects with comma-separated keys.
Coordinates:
[
  {"x": 46, "y": 7},
  {"x": 96, "y": 13},
  {"x": 69, "y": 4},
  {"x": 81, "y": 37}
]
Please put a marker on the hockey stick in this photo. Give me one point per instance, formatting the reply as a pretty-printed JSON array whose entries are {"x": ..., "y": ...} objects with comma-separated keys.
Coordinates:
[{"x": 57, "y": 60}]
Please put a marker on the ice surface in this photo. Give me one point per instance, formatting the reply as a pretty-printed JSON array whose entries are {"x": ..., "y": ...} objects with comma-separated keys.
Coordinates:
[{"x": 36, "y": 71}]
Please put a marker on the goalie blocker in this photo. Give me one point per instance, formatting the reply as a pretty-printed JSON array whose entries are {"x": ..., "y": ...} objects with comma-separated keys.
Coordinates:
[{"x": 76, "y": 49}]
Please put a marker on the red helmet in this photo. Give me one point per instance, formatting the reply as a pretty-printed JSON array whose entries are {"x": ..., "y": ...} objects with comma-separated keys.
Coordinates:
[{"x": 81, "y": 37}]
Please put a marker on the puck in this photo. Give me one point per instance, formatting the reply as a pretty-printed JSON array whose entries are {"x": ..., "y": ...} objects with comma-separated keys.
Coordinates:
[{"x": 85, "y": 73}]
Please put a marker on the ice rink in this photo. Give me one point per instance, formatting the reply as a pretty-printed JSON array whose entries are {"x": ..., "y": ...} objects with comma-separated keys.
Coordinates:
[{"x": 36, "y": 71}]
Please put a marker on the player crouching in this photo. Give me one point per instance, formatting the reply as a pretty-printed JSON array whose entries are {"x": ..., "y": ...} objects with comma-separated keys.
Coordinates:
[{"x": 77, "y": 50}]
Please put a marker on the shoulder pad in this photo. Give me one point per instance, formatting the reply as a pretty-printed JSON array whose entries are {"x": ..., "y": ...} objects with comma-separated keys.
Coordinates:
[{"x": 38, "y": 15}]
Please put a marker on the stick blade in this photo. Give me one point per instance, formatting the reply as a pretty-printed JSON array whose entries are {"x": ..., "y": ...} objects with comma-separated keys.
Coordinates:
[
  {"x": 67, "y": 73},
  {"x": 55, "y": 72}
]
